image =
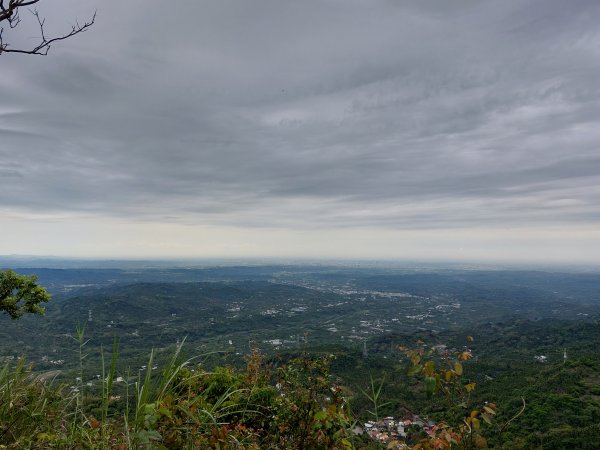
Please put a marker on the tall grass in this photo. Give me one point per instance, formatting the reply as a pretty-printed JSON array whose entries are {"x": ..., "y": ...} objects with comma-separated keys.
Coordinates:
[
  {"x": 32, "y": 409},
  {"x": 179, "y": 406}
]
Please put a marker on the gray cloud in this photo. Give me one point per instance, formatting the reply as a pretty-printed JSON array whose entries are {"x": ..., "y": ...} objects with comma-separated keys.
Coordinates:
[{"x": 311, "y": 114}]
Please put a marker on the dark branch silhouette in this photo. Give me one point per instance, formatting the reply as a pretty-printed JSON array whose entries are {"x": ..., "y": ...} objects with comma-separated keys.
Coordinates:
[{"x": 9, "y": 14}]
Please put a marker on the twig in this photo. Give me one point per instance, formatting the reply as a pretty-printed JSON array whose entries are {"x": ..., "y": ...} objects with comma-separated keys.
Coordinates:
[
  {"x": 515, "y": 416},
  {"x": 10, "y": 14}
]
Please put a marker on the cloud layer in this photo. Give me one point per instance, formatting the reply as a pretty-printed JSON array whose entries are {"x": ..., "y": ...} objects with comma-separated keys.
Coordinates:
[{"x": 312, "y": 115}]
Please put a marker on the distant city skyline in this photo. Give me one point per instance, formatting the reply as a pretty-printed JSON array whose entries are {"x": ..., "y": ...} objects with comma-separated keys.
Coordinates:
[{"x": 425, "y": 130}]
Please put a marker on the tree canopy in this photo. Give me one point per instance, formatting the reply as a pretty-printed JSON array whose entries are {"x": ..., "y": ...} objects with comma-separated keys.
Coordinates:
[{"x": 21, "y": 294}]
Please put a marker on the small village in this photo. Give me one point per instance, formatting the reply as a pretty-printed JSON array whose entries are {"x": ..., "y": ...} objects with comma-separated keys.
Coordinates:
[{"x": 392, "y": 431}]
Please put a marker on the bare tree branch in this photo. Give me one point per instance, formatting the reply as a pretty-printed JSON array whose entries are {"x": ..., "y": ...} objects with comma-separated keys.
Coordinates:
[{"x": 9, "y": 13}]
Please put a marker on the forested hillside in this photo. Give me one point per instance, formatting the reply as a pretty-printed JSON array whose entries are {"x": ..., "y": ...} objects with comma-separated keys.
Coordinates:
[{"x": 526, "y": 343}]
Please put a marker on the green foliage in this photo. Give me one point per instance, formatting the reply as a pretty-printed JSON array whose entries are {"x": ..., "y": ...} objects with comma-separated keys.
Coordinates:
[
  {"x": 288, "y": 402},
  {"x": 26, "y": 407},
  {"x": 291, "y": 403},
  {"x": 443, "y": 372},
  {"x": 311, "y": 409},
  {"x": 20, "y": 294},
  {"x": 293, "y": 406}
]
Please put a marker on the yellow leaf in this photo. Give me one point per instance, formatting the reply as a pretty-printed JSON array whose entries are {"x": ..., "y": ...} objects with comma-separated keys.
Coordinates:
[
  {"x": 470, "y": 387},
  {"x": 470, "y": 338},
  {"x": 415, "y": 359},
  {"x": 458, "y": 368},
  {"x": 465, "y": 355},
  {"x": 347, "y": 443},
  {"x": 429, "y": 368},
  {"x": 489, "y": 410}
]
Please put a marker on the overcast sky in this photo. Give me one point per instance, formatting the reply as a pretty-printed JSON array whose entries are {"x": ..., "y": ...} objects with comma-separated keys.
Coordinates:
[{"x": 317, "y": 128}]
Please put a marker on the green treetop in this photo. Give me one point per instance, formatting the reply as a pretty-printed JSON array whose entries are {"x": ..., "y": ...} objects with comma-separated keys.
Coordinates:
[{"x": 20, "y": 294}]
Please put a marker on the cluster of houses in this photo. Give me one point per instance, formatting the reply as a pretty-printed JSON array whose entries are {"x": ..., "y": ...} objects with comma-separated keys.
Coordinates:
[
  {"x": 392, "y": 431},
  {"x": 56, "y": 362}
]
